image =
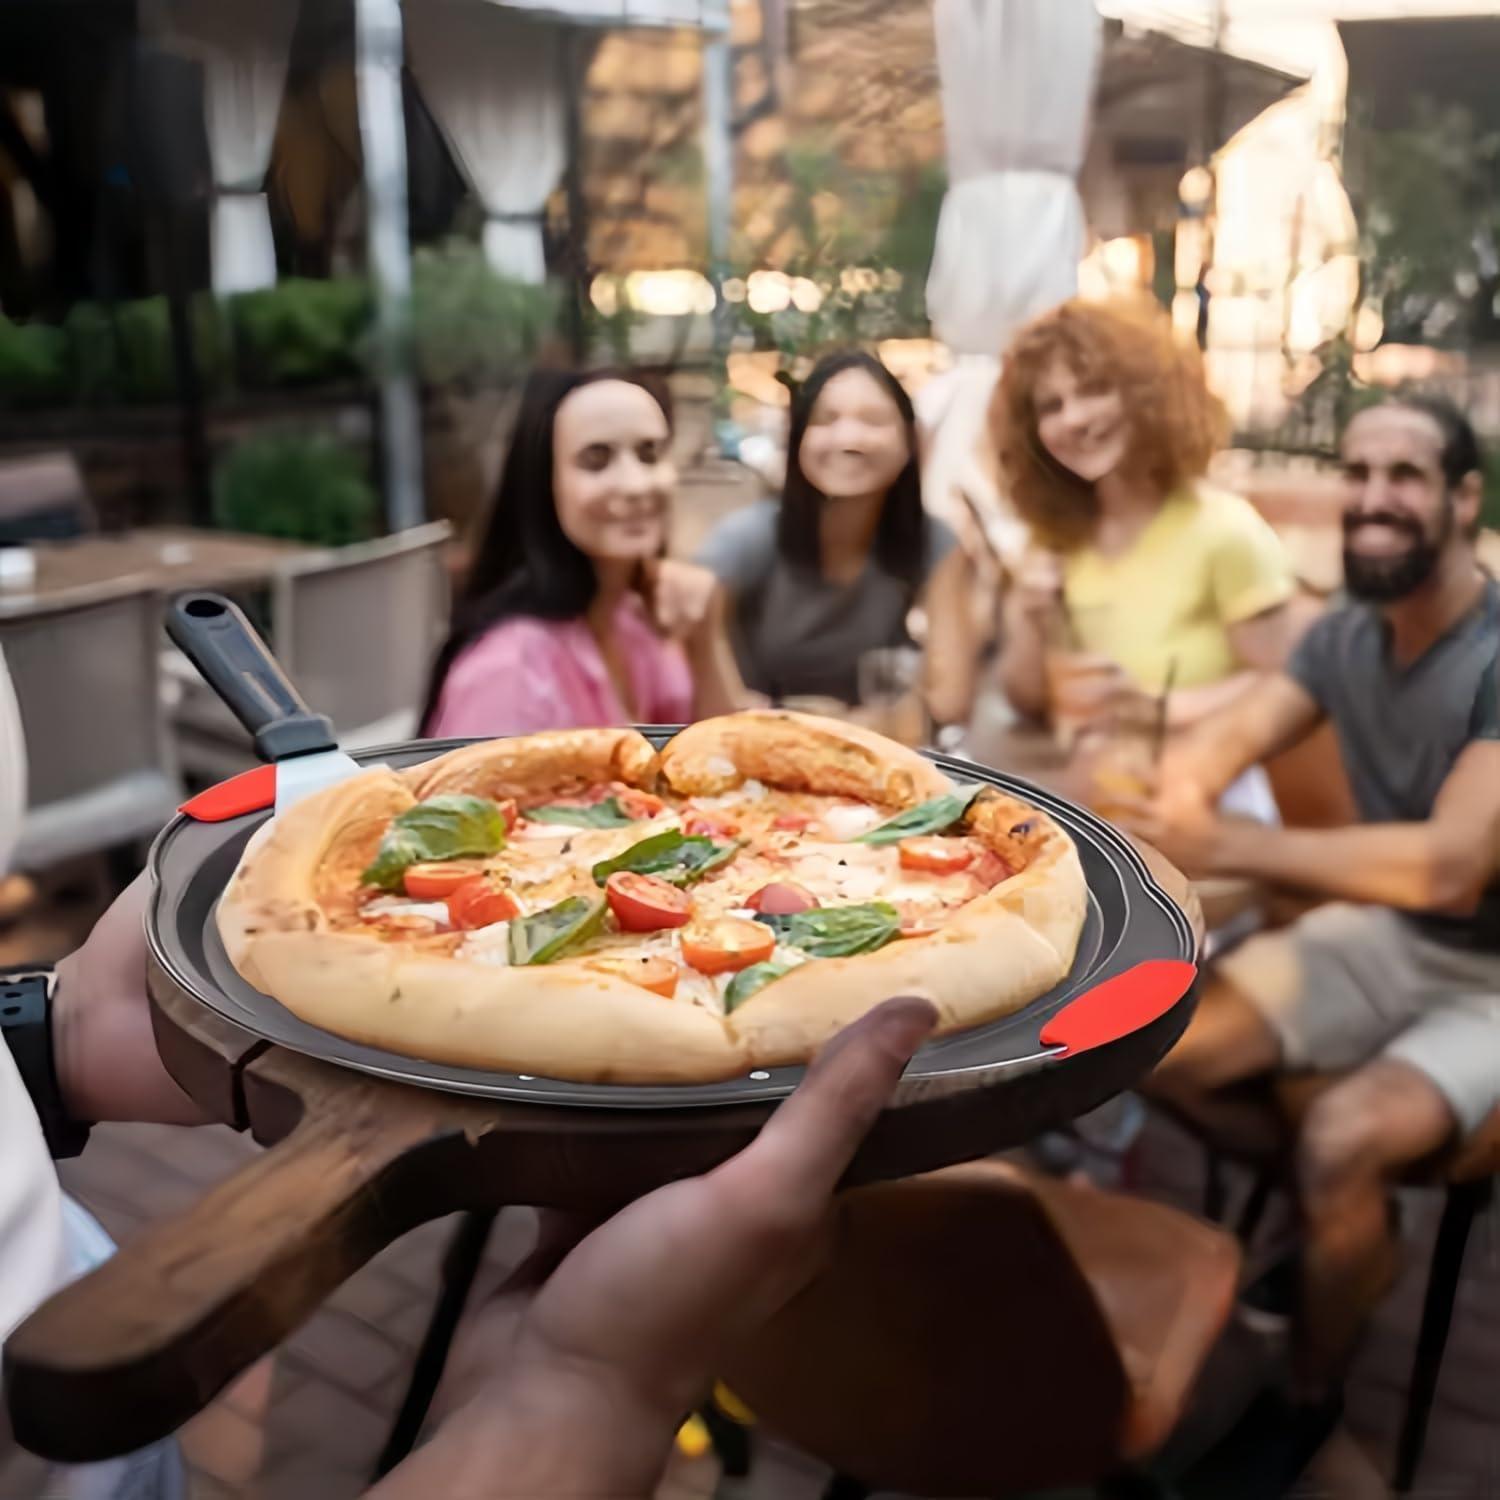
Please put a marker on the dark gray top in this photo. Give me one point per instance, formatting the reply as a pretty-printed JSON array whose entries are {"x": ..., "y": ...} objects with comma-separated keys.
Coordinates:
[
  {"x": 795, "y": 633},
  {"x": 1401, "y": 729}
]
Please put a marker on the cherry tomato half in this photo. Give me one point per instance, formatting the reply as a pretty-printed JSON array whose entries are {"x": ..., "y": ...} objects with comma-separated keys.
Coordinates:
[
  {"x": 643, "y": 903},
  {"x": 480, "y": 903},
  {"x": 782, "y": 898},
  {"x": 936, "y": 855},
  {"x": 713, "y": 828},
  {"x": 638, "y": 804},
  {"x": 727, "y": 944},
  {"x": 436, "y": 882},
  {"x": 650, "y": 971}
]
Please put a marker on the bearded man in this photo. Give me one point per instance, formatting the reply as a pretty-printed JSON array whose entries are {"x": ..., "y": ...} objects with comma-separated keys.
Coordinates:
[{"x": 1395, "y": 984}]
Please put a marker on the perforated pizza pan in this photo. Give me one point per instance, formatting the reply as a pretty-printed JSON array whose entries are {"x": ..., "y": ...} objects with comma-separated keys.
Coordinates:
[{"x": 1129, "y": 920}]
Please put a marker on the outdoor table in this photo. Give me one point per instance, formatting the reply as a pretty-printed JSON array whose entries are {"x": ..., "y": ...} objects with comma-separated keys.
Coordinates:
[{"x": 154, "y": 559}]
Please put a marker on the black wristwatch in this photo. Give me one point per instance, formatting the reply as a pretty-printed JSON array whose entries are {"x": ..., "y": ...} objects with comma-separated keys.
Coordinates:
[{"x": 26, "y": 1022}]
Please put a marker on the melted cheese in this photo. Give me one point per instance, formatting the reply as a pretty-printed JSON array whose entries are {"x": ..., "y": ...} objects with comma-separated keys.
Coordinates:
[
  {"x": 404, "y": 906},
  {"x": 848, "y": 820},
  {"x": 488, "y": 945}
]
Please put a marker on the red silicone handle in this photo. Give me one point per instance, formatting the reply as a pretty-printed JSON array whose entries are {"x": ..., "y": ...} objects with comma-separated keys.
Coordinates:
[
  {"x": 1119, "y": 1006},
  {"x": 250, "y": 791}
]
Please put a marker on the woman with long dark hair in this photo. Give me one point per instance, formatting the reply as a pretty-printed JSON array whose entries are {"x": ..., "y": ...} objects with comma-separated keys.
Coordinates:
[
  {"x": 835, "y": 570},
  {"x": 571, "y": 615}
]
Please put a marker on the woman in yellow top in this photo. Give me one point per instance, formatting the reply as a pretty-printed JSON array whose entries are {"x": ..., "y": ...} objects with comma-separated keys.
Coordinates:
[{"x": 1105, "y": 427}]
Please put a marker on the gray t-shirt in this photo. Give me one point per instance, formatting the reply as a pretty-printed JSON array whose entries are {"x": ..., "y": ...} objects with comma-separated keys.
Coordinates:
[
  {"x": 1401, "y": 729},
  {"x": 796, "y": 634}
]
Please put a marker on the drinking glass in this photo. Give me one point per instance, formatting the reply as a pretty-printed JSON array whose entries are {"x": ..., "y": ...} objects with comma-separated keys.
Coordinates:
[
  {"x": 890, "y": 694},
  {"x": 1120, "y": 754}
]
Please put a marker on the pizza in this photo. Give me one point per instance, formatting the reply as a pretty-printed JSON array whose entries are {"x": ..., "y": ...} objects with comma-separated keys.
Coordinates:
[{"x": 579, "y": 905}]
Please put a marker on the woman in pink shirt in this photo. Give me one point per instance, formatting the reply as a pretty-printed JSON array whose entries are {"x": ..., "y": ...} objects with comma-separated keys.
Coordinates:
[{"x": 571, "y": 616}]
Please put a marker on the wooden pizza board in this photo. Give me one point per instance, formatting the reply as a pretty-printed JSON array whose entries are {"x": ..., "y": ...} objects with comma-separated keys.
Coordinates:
[{"x": 133, "y": 1350}]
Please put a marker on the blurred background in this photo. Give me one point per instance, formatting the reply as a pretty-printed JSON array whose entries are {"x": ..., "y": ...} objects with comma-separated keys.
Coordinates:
[{"x": 206, "y": 243}]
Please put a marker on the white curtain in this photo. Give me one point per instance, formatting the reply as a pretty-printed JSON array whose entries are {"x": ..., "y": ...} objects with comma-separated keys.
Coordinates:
[
  {"x": 1017, "y": 84},
  {"x": 12, "y": 771},
  {"x": 243, "y": 46},
  {"x": 494, "y": 83}
]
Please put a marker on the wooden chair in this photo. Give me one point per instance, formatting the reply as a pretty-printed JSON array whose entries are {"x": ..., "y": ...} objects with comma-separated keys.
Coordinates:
[
  {"x": 356, "y": 629},
  {"x": 101, "y": 769},
  {"x": 987, "y": 1331},
  {"x": 1467, "y": 1176}
]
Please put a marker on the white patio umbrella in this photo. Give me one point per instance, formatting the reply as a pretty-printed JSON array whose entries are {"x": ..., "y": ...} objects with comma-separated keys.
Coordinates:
[{"x": 1017, "y": 84}]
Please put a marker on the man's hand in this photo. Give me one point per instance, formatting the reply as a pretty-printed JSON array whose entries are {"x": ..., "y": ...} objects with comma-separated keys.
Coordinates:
[
  {"x": 1180, "y": 821},
  {"x": 107, "y": 1063},
  {"x": 574, "y": 1379}
]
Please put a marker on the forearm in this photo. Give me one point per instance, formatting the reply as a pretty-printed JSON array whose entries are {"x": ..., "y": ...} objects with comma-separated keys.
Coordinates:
[
  {"x": 1387, "y": 864},
  {"x": 108, "y": 1067},
  {"x": 1022, "y": 670},
  {"x": 1187, "y": 707},
  {"x": 717, "y": 685}
]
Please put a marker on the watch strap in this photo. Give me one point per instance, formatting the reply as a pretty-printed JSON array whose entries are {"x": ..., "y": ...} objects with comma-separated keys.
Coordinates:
[{"x": 26, "y": 1023}]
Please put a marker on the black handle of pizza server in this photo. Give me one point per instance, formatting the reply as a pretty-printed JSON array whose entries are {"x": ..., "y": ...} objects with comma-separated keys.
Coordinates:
[{"x": 213, "y": 633}]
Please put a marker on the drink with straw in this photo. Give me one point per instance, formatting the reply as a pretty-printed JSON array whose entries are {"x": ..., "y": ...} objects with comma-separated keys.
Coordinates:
[
  {"x": 1078, "y": 680},
  {"x": 1123, "y": 753}
]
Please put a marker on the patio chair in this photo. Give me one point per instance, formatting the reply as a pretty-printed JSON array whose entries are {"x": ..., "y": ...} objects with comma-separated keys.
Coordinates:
[
  {"x": 1059, "y": 1340},
  {"x": 1466, "y": 1173},
  {"x": 356, "y": 630},
  {"x": 985, "y": 1331},
  {"x": 102, "y": 773},
  {"x": 42, "y": 498}
]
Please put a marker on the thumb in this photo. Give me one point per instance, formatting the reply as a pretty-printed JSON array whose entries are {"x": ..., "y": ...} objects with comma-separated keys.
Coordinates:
[{"x": 807, "y": 1145}]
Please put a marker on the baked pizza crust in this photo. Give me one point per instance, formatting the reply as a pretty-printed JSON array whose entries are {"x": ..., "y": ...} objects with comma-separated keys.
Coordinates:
[
  {"x": 557, "y": 763},
  {"x": 798, "y": 753},
  {"x": 277, "y": 916}
]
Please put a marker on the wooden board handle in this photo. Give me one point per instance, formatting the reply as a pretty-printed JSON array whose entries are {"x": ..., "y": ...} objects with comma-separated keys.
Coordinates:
[{"x": 124, "y": 1356}]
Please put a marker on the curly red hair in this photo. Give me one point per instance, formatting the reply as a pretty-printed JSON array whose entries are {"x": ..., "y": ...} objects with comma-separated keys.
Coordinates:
[{"x": 1176, "y": 422}]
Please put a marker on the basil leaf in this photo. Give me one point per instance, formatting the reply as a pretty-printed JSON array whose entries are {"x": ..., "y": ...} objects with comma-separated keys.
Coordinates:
[
  {"x": 673, "y": 856},
  {"x": 449, "y": 827},
  {"x": 751, "y": 981},
  {"x": 606, "y": 814},
  {"x": 546, "y": 936},
  {"x": 936, "y": 815},
  {"x": 837, "y": 931}
]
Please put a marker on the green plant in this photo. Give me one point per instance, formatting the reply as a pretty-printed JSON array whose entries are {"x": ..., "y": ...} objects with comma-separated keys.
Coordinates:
[
  {"x": 472, "y": 327},
  {"x": 94, "y": 354},
  {"x": 1428, "y": 199},
  {"x": 304, "y": 487},
  {"x": 148, "y": 370},
  {"x": 865, "y": 243},
  {"x": 33, "y": 363},
  {"x": 300, "y": 332}
]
